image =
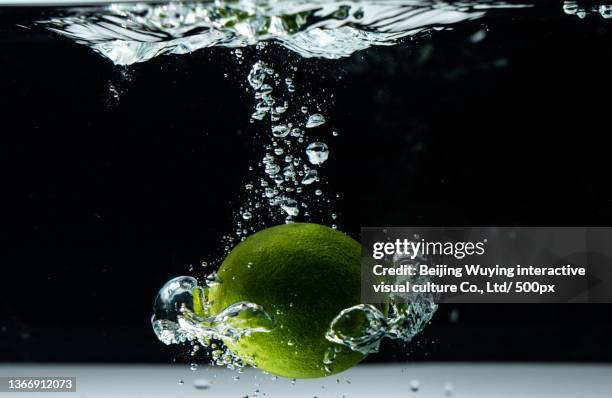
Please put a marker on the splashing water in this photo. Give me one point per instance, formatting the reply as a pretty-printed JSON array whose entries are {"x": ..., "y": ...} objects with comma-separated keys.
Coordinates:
[
  {"x": 362, "y": 327},
  {"x": 180, "y": 315},
  {"x": 359, "y": 328},
  {"x": 131, "y": 33}
]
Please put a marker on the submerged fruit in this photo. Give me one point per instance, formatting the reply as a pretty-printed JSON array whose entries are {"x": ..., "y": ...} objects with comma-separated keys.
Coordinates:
[{"x": 303, "y": 275}]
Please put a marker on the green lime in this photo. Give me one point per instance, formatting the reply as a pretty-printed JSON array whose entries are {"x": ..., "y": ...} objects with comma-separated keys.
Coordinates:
[{"x": 303, "y": 275}]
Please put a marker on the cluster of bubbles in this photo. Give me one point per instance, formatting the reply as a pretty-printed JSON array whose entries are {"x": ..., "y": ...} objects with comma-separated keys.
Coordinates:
[
  {"x": 287, "y": 180},
  {"x": 572, "y": 7}
]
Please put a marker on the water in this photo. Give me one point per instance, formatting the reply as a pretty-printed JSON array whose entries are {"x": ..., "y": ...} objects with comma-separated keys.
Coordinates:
[
  {"x": 132, "y": 33},
  {"x": 177, "y": 319},
  {"x": 287, "y": 181},
  {"x": 362, "y": 327}
]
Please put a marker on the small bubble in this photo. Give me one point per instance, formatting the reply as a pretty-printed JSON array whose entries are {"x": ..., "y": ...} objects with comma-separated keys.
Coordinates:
[
  {"x": 193, "y": 367},
  {"x": 414, "y": 385},
  {"x": 318, "y": 192},
  {"x": 280, "y": 130},
  {"x": 454, "y": 315},
  {"x": 181, "y": 382},
  {"x": 271, "y": 169},
  {"x": 201, "y": 384},
  {"x": 317, "y": 153},
  {"x": 290, "y": 206},
  {"x": 478, "y": 36},
  {"x": 310, "y": 176},
  {"x": 315, "y": 120},
  {"x": 289, "y": 172},
  {"x": 605, "y": 10},
  {"x": 247, "y": 215}
]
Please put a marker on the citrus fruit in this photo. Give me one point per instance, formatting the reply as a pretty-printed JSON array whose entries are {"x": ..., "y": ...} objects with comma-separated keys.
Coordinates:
[{"x": 303, "y": 275}]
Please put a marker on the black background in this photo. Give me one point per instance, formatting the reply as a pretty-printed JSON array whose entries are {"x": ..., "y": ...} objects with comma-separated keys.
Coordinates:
[{"x": 104, "y": 201}]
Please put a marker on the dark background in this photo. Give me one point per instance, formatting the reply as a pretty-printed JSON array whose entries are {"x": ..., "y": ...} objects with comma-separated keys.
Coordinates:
[{"x": 105, "y": 201}]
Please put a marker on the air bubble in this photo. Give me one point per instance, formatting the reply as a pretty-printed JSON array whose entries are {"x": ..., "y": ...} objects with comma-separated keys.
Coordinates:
[
  {"x": 271, "y": 169},
  {"x": 290, "y": 206},
  {"x": 310, "y": 176},
  {"x": 317, "y": 152},
  {"x": 201, "y": 384},
  {"x": 280, "y": 131},
  {"x": 315, "y": 120}
]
